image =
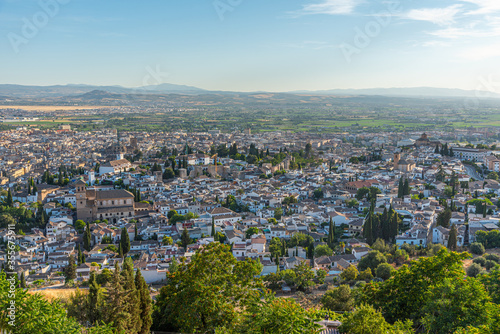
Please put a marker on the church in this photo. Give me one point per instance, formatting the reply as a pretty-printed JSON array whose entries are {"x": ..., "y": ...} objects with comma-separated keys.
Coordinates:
[
  {"x": 112, "y": 204},
  {"x": 425, "y": 141}
]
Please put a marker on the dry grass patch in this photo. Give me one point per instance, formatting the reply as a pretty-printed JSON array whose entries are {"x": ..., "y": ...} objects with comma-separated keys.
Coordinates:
[{"x": 51, "y": 294}]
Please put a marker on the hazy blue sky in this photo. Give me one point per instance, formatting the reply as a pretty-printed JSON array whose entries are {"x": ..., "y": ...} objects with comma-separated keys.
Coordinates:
[{"x": 248, "y": 45}]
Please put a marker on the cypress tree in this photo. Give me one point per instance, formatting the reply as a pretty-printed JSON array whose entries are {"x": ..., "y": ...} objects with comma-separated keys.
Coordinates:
[
  {"x": 400, "y": 188},
  {"x": 406, "y": 188},
  {"x": 86, "y": 238},
  {"x": 213, "y": 227},
  {"x": 135, "y": 232},
  {"x": 144, "y": 303},
  {"x": 376, "y": 228},
  {"x": 115, "y": 304},
  {"x": 79, "y": 256},
  {"x": 95, "y": 300},
  {"x": 368, "y": 229},
  {"x": 384, "y": 224},
  {"x": 394, "y": 225},
  {"x": 9, "y": 202},
  {"x": 132, "y": 298},
  {"x": 452, "y": 238},
  {"x": 185, "y": 239},
  {"x": 120, "y": 250},
  {"x": 70, "y": 270},
  {"x": 125, "y": 241},
  {"x": 331, "y": 234},
  {"x": 43, "y": 218},
  {"x": 310, "y": 250},
  {"x": 23, "y": 280}
]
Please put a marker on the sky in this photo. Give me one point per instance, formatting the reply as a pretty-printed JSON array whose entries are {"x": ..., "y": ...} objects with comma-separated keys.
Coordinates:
[{"x": 252, "y": 45}]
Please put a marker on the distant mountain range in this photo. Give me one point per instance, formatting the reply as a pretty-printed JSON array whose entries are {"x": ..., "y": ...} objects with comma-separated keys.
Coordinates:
[
  {"x": 34, "y": 92},
  {"x": 21, "y": 91},
  {"x": 408, "y": 92}
]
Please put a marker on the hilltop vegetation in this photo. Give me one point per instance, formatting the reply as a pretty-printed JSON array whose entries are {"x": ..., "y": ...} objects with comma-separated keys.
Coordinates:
[{"x": 216, "y": 294}]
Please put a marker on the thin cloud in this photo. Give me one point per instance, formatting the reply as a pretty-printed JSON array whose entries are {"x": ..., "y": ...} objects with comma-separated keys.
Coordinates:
[
  {"x": 439, "y": 16},
  {"x": 329, "y": 7},
  {"x": 471, "y": 30},
  {"x": 485, "y": 6}
]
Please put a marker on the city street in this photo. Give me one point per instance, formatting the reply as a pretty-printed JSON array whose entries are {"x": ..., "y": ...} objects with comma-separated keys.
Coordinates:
[{"x": 471, "y": 171}]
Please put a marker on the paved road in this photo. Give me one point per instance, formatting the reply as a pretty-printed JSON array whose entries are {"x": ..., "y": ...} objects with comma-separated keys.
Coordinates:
[{"x": 472, "y": 173}]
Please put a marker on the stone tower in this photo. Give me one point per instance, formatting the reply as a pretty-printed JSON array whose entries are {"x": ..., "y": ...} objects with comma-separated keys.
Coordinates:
[
  {"x": 397, "y": 157},
  {"x": 81, "y": 201}
]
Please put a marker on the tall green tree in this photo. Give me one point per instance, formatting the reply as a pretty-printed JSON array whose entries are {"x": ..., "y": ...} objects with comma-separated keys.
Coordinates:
[
  {"x": 23, "y": 281},
  {"x": 443, "y": 218},
  {"x": 8, "y": 201},
  {"x": 80, "y": 256},
  {"x": 331, "y": 234},
  {"x": 125, "y": 241},
  {"x": 115, "y": 308},
  {"x": 400, "y": 188},
  {"x": 405, "y": 295},
  {"x": 368, "y": 229},
  {"x": 458, "y": 304},
  {"x": 212, "y": 234},
  {"x": 394, "y": 225},
  {"x": 452, "y": 238},
  {"x": 70, "y": 270},
  {"x": 185, "y": 238},
  {"x": 86, "y": 238},
  {"x": 406, "y": 188},
  {"x": 95, "y": 300},
  {"x": 207, "y": 293},
  {"x": 132, "y": 297},
  {"x": 145, "y": 303}
]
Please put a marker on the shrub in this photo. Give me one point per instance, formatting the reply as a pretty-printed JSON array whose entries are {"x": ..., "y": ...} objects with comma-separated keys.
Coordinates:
[
  {"x": 480, "y": 260},
  {"x": 372, "y": 260},
  {"x": 365, "y": 274},
  {"x": 490, "y": 264},
  {"x": 474, "y": 270},
  {"x": 384, "y": 271},
  {"x": 492, "y": 257},
  {"x": 338, "y": 299},
  {"x": 350, "y": 273},
  {"x": 477, "y": 248}
]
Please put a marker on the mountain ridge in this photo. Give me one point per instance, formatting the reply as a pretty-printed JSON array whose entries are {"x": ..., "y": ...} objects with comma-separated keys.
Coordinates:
[{"x": 73, "y": 90}]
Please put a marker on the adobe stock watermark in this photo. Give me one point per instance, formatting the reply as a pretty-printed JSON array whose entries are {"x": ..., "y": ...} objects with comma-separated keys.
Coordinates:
[
  {"x": 372, "y": 29},
  {"x": 31, "y": 26},
  {"x": 224, "y": 6},
  {"x": 11, "y": 273},
  {"x": 487, "y": 87},
  {"x": 156, "y": 76}
]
